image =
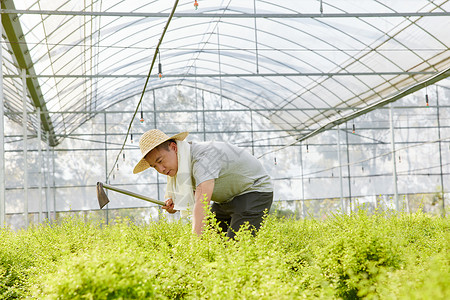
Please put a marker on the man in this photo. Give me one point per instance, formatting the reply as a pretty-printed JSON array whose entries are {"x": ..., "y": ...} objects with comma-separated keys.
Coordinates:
[{"x": 200, "y": 172}]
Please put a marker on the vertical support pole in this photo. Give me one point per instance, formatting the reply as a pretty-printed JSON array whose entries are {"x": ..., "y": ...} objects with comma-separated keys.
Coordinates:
[
  {"x": 2, "y": 142},
  {"x": 341, "y": 186},
  {"x": 155, "y": 125},
  {"x": 303, "y": 185},
  {"x": 394, "y": 162},
  {"x": 54, "y": 184},
  {"x": 220, "y": 65},
  {"x": 196, "y": 97},
  {"x": 47, "y": 176},
  {"x": 204, "y": 120},
  {"x": 408, "y": 210},
  {"x": 440, "y": 152},
  {"x": 39, "y": 138},
  {"x": 25, "y": 145},
  {"x": 348, "y": 170},
  {"x": 106, "y": 163},
  {"x": 251, "y": 128}
]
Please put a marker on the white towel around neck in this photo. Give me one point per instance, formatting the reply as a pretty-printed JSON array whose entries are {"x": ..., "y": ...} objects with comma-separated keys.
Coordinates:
[{"x": 180, "y": 187}]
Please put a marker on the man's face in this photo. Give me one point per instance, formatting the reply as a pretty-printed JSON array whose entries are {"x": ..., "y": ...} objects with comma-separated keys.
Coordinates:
[{"x": 164, "y": 161}]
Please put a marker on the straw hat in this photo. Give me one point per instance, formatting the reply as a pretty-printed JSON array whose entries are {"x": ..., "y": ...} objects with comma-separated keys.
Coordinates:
[{"x": 149, "y": 141}]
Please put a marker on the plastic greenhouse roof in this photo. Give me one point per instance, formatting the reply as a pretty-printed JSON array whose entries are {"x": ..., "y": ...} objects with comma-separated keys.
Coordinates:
[{"x": 305, "y": 65}]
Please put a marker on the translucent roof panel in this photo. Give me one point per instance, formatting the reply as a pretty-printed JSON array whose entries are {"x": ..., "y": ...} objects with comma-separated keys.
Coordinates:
[{"x": 312, "y": 63}]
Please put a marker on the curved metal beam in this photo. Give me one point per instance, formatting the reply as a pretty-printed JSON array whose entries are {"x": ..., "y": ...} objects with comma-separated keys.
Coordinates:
[{"x": 18, "y": 47}]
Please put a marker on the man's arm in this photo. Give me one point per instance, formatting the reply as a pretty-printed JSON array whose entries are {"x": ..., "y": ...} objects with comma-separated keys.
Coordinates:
[{"x": 203, "y": 190}]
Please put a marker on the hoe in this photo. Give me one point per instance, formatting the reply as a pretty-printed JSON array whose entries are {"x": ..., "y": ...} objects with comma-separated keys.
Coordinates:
[{"x": 103, "y": 198}]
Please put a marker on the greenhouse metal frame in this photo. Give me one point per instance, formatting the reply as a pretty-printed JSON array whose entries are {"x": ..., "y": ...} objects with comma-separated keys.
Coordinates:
[{"x": 346, "y": 103}]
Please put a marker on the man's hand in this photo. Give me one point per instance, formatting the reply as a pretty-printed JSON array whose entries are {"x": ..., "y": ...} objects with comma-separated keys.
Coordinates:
[{"x": 169, "y": 206}]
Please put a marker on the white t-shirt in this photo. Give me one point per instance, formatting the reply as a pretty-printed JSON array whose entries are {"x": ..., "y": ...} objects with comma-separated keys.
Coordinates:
[{"x": 234, "y": 170}]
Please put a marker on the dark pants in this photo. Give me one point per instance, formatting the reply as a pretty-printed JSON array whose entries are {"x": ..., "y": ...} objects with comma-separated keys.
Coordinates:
[{"x": 249, "y": 208}]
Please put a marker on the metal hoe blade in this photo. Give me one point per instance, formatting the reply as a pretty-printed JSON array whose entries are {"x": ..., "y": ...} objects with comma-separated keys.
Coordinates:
[
  {"x": 103, "y": 198},
  {"x": 101, "y": 195}
]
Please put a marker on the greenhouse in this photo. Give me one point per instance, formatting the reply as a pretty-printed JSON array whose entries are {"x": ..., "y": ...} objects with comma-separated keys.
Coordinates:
[
  {"x": 297, "y": 149},
  {"x": 345, "y": 103}
]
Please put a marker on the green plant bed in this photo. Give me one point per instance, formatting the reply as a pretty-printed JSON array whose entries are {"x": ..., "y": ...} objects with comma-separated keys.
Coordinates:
[{"x": 344, "y": 257}]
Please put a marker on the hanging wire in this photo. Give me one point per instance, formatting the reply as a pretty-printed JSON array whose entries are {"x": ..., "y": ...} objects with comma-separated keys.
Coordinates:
[
  {"x": 146, "y": 83},
  {"x": 256, "y": 38},
  {"x": 159, "y": 65}
]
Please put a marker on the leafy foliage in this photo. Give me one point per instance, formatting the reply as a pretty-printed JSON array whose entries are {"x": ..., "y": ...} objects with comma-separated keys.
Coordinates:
[{"x": 344, "y": 257}]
